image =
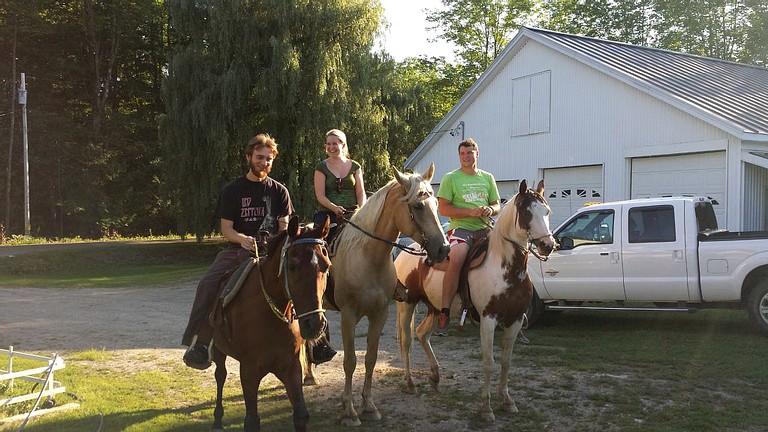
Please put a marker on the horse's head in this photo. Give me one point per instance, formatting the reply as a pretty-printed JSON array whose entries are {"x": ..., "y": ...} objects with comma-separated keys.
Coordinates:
[
  {"x": 532, "y": 217},
  {"x": 420, "y": 222},
  {"x": 304, "y": 265}
]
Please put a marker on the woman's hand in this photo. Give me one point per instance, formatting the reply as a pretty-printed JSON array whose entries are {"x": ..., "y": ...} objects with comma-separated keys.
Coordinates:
[{"x": 339, "y": 210}]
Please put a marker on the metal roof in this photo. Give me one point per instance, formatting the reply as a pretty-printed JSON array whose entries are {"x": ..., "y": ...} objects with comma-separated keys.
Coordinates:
[{"x": 733, "y": 92}]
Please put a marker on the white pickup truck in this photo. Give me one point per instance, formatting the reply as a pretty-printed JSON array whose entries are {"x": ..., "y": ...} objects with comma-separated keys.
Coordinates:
[{"x": 656, "y": 254}]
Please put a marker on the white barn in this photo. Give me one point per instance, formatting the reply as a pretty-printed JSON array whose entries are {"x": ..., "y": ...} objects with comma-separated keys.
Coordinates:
[{"x": 603, "y": 121}]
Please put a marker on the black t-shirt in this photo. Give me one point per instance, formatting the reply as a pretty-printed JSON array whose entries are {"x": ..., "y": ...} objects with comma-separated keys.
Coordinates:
[{"x": 254, "y": 206}]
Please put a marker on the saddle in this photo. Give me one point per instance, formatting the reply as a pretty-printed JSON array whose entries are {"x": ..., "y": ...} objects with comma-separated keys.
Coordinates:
[
  {"x": 476, "y": 255},
  {"x": 230, "y": 285}
]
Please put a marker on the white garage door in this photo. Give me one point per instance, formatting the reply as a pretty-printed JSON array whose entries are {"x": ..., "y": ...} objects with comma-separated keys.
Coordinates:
[
  {"x": 685, "y": 175},
  {"x": 567, "y": 189}
]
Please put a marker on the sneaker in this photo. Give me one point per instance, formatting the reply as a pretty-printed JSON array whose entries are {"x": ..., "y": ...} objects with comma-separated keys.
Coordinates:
[
  {"x": 322, "y": 353},
  {"x": 197, "y": 357},
  {"x": 522, "y": 339},
  {"x": 442, "y": 324}
]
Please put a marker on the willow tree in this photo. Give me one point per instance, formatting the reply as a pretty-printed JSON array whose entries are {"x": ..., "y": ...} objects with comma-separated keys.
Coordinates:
[{"x": 244, "y": 67}]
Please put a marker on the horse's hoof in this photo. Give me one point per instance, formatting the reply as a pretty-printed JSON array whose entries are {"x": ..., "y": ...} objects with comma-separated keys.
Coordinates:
[
  {"x": 310, "y": 381},
  {"x": 373, "y": 415},
  {"x": 433, "y": 383},
  {"x": 512, "y": 408},
  {"x": 350, "y": 421},
  {"x": 488, "y": 417},
  {"x": 409, "y": 388}
]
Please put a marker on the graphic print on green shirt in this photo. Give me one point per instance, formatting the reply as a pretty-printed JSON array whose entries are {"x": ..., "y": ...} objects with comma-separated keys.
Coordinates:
[{"x": 469, "y": 191}]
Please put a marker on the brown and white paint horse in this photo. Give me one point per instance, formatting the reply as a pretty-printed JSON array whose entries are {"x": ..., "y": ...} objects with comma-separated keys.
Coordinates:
[{"x": 500, "y": 290}]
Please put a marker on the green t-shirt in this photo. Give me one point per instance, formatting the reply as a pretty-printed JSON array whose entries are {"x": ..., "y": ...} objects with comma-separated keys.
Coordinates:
[
  {"x": 469, "y": 191},
  {"x": 341, "y": 191}
]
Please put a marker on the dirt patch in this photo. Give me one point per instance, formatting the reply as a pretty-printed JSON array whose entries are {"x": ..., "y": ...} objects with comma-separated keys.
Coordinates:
[{"x": 143, "y": 327}]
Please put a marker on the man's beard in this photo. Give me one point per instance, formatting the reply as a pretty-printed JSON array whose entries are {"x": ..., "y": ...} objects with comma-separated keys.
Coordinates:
[{"x": 260, "y": 174}]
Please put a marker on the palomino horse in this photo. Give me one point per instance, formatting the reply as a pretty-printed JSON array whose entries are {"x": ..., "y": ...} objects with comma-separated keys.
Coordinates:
[
  {"x": 363, "y": 274},
  {"x": 265, "y": 326},
  {"x": 499, "y": 288}
]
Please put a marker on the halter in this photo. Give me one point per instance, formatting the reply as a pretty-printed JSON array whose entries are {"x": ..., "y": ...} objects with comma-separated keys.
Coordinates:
[{"x": 283, "y": 316}]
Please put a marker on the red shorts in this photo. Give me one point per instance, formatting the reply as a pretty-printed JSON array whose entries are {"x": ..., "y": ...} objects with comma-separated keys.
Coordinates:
[{"x": 459, "y": 235}]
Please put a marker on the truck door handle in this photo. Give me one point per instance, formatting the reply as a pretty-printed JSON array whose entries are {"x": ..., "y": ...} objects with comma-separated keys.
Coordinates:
[
  {"x": 551, "y": 272},
  {"x": 603, "y": 253}
]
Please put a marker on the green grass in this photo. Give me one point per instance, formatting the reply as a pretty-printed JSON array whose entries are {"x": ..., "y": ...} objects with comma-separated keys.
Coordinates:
[{"x": 109, "y": 265}]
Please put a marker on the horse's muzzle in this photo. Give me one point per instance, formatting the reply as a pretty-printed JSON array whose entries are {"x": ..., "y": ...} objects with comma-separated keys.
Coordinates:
[
  {"x": 545, "y": 247},
  {"x": 438, "y": 254},
  {"x": 311, "y": 326}
]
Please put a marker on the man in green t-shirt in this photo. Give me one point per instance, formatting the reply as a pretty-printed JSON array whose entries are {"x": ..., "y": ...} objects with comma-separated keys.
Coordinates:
[{"x": 469, "y": 197}]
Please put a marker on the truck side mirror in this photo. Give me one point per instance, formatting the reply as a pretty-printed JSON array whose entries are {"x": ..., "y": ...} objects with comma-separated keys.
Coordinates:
[{"x": 566, "y": 243}]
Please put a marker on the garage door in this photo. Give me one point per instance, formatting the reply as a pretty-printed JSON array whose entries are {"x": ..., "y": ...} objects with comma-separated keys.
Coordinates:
[
  {"x": 507, "y": 189},
  {"x": 685, "y": 175},
  {"x": 567, "y": 189}
]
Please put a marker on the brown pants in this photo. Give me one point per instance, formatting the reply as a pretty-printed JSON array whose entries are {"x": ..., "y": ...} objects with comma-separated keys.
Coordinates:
[{"x": 229, "y": 258}]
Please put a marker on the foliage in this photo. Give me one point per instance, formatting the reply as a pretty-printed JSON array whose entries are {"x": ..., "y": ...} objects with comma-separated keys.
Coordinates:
[
  {"x": 93, "y": 73},
  {"x": 241, "y": 68}
]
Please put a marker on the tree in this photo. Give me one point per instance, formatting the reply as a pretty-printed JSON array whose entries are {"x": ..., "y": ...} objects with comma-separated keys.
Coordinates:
[{"x": 481, "y": 29}]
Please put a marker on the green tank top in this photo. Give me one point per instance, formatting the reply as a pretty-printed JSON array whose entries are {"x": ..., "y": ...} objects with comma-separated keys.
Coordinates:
[{"x": 341, "y": 191}]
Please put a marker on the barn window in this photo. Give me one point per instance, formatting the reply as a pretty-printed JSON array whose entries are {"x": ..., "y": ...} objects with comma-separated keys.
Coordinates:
[{"x": 531, "y": 104}]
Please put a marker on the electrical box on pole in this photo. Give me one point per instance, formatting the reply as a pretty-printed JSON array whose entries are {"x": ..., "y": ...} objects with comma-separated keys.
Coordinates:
[{"x": 23, "y": 103}]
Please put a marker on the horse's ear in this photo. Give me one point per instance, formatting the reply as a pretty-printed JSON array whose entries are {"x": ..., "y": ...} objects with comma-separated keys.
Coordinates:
[
  {"x": 523, "y": 186},
  {"x": 293, "y": 226},
  {"x": 427, "y": 176},
  {"x": 399, "y": 177},
  {"x": 540, "y": 187}
]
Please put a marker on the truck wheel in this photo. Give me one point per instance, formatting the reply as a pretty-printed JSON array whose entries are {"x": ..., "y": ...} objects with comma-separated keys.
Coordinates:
[
  {"x": 757, "y": 306},
  {"x": 535, "y": 310}
]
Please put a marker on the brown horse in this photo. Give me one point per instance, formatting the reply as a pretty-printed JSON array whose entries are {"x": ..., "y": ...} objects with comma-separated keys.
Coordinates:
[
  {"x": 363, "y": 275},
  {"x": 278, "y": 307},
  {"x": 500, "y": 289}
]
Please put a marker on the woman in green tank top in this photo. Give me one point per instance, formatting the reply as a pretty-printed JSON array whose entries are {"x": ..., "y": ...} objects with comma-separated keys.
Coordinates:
[{"x": 338, "y": 181}]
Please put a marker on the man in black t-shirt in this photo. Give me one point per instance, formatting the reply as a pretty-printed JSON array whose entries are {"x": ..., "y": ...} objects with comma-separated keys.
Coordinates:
[{"x": 248, "y": 205}]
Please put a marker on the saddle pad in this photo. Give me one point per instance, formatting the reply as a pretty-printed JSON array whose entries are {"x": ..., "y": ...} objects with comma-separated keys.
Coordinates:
[{"x": 235, "y": 281}]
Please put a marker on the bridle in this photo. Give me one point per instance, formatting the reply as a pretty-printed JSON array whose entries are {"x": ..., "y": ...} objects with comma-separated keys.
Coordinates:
[
  {"x": 529, "y": 242},
  {"x": 404, "y": 248},
  {"x": 289, "y": 314}
]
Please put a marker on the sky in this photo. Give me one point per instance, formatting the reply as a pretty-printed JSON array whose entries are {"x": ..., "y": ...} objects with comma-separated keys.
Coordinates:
[{"x": 407, "y": 35}]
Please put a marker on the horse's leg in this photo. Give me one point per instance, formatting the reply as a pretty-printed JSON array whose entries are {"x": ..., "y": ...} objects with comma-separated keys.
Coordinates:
[
  {"x": 250, "y": 380},
  {"x": 507, "y": 345},
  {"x": 221, "y": 376},
  {"x": 487, "y": 327},
  {"x": 307, "y": 367},
  {"x": 292, "y": 382},
  {"x": 405, "y": 319},
  {"x": 348, "y": 324},
  {"x": 375, "y": 327},
  {"x": 424, "y": 332}
]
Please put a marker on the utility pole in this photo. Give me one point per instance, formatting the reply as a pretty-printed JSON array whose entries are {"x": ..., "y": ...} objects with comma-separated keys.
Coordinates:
[{"x": 23, "y": 103}]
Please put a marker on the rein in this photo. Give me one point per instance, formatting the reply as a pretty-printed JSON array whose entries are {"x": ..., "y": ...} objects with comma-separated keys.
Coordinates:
[
  {"x": 289, "y": 308},
  {"x": 403, "y": 248}
]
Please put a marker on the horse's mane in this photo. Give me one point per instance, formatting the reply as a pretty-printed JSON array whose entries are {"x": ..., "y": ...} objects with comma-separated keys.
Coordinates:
[
  {"x": 369, "y": 213},
  {"x": 274, "y": 241}
]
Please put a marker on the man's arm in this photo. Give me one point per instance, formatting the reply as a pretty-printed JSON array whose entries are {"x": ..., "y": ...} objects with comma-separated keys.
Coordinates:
[{"x": 229, "y": 233}]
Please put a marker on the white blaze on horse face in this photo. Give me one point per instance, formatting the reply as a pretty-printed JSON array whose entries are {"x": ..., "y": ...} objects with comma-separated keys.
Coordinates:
[{"x": 539, "y": 221}]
